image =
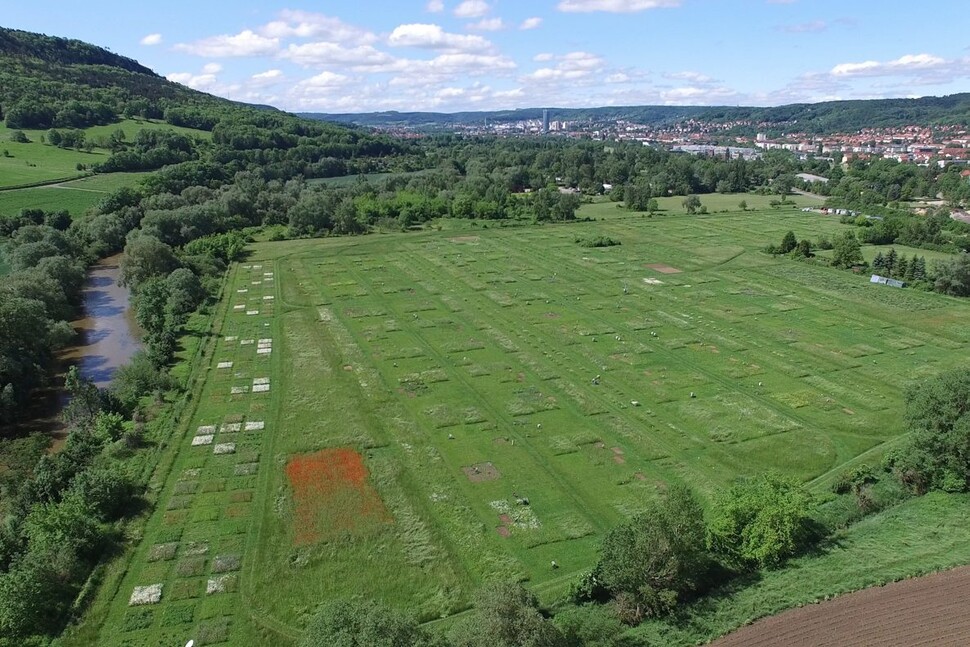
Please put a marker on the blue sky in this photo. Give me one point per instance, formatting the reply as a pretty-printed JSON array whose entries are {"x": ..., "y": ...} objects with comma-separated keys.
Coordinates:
[{"x": 451, "y": 55}]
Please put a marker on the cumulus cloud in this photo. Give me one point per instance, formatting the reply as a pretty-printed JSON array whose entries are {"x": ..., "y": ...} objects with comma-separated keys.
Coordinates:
[
  {"x": 306, "y": 24},
  {"x": 487, "y": 24},
  {"x": 322, "y": 54},
  {"x": 203, "y": 82},
  {"x": 615, "y": 6},
  {"x": 151, "y": 39},
  {"x": 472, "y": 9},
  {"x": 435, "y": 6},
  {"x": 531, "y": 23},
  {"x": 211, "y": 68},
  {"x": 429, "y": 36},
  {"x": 918, "y": 68},
  {"x": 245, "y": 43},
  {"x": 572, "y": 67},
  {"x": 267, "y": 77}
]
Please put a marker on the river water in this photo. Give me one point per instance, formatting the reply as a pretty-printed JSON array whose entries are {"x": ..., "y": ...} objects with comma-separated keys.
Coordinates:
[{"x": 107, "y": 332}]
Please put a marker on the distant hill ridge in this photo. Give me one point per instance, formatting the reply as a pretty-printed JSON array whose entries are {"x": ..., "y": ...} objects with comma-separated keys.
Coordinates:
[{"x": 818, "y": 118}]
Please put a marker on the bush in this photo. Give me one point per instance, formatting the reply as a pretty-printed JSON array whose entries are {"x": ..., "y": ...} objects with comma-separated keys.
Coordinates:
[{"x": 762, "y": 521}]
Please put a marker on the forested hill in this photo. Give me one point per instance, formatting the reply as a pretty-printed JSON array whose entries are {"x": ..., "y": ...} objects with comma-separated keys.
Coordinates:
[
  {"x": 47, "y": 81},
  {"x": 62, "y": 51},
  {"x": 821, "y": 118},
  {"x": 850, "y": 116}
]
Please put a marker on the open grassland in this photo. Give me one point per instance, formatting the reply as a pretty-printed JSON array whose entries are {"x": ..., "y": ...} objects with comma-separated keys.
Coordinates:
[
  {"x": 75, "y": 196},
  {"x": 495, "y": 398},
  {"x": 37, "y": 162}
]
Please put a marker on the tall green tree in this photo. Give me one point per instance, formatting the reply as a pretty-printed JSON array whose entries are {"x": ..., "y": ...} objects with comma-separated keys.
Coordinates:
[
  {"x": 659, "y": 558},
  {"x": 846, "y": 251},
  {"x": 506, "y": 615},
  {"x": 347, "y": 623}
]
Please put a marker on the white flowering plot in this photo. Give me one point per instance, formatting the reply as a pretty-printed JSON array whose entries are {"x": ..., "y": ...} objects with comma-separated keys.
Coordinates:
[
  {"x": 239, "y": 390},
  {"x": 252, "y": 312},
  {"x": 224, "y": 365},
  {"x": 231, "y": 427},
  {"x": 260, "y": 384},
  {"x": 204, "y": 439},
  {"x": 255, "y": 425},
  {"x": 151, "y": 594},
  {"x": 224, "y": 448}
]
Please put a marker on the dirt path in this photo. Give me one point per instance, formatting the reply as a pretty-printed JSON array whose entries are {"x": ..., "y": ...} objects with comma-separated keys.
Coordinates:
[{"x": 930, "y": 610}]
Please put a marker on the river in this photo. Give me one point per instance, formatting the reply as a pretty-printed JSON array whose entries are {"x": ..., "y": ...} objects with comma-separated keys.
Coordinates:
[
  {"x": 107, "y": 338},
  {"x": 107, "y": 332}
]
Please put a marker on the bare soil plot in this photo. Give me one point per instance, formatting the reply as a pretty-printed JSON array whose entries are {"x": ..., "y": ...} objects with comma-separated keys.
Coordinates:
[
  {"x": 929, "y": 610},
  {"x": 663, "y": 268},
  {"x": 481, "y": 472}
]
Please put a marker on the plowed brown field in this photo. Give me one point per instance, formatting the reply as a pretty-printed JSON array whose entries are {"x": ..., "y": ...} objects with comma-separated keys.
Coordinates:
[{"x": 930, "y": 610}]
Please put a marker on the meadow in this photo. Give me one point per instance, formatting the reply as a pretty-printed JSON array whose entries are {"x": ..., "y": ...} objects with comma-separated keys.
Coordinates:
[
  {"x": 36, "y": 162},
  {"x": 492, "y": 399}
]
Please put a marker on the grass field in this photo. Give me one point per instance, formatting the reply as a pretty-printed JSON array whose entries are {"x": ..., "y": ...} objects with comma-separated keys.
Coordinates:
[
  {"x": 441, "y": 379},
  {"x": 75, "y": 196},
  {"x": 37, "y": 162}
]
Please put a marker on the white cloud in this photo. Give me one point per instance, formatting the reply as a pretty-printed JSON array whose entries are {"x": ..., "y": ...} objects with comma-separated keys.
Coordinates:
[
  {"x": 531, "y": 23},
  {"x": 306, "y": 24},
  {"x": 211, "y": 68},
  {"x": 152, "y": 39},
  {"x": 472, "y": 9},
  {"x": 321, "y": 54},
  {"x": 434, "y": 37},
  {"x": 692, "y": 77},
  {"x": 203, "y": 82},
  {"x": 544, "y": 56},
  {"x": 268, "y": 77},
  {"x": 572, "y": 66},
  {"x": 435, "y": 6},
  {"x": 923, "y": 66},
  {"x": 245, "y": 43},
  {"x": 615, "y": 6},
  {"x": 488, "y": 24}
]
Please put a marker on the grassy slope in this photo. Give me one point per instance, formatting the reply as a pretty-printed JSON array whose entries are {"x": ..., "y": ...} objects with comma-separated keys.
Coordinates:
[
  {"x": 392, "y": 343},
  {"x": 38, "y": 162},
  {"x": 917, "y": 537}
]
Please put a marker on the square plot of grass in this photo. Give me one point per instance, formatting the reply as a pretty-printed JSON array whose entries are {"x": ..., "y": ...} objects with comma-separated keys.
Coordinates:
[
  {"x": 178, "y": 614},
  {"x": 187, "y": 589},
  {"x": 212, "y": 632},
  {"x": 150, "y": 594},
  {"x": 190, "y": 567},
  {"x": 186, "y": 487},
  {"x": 205, "y": 514},
  {"x": 162, "y": 552},
  {"x": 136, "y": 619},
  {"x": 226, "y": 563},
  {"x": 220, "y": 584}
]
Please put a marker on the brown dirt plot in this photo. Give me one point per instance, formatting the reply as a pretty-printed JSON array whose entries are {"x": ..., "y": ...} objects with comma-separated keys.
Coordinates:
[
  {"x": 481, "y": 472},
  {"x": 663, "y": 268},
  {"x": 929, "y": 610}
]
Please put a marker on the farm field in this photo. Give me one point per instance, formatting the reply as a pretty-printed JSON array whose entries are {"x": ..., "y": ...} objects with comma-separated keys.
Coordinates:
[
  {"x": 925, "y": 610},
  {"x": 405, "y": 416},
  {"x": 75, "y": 196}
]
